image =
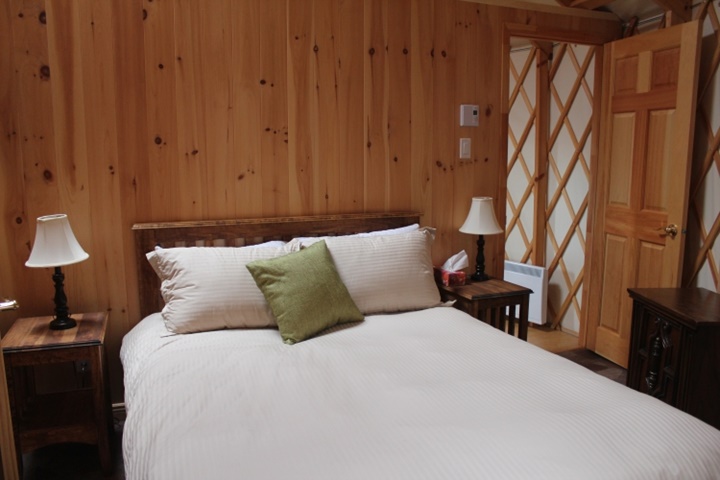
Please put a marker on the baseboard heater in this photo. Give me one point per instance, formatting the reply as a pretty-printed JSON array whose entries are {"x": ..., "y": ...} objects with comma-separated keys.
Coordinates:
[{"x": 534, "y": 278}]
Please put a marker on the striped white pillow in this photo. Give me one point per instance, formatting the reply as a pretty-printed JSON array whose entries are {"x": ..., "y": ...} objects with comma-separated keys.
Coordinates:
[
  {"x": 387, "y": 273},
  {"x": 307, "y": 241},
  {"x": 209, "y": 288}
]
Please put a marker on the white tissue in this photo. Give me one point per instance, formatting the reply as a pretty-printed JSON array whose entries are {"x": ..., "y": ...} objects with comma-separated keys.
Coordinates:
[{"x": 457, "y": 262}]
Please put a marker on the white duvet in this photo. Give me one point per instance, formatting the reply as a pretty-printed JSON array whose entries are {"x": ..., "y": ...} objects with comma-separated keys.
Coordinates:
[{"x": 433, "y": 394}]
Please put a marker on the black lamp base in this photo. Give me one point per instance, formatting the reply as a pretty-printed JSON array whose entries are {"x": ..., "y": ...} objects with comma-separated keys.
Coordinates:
[
  {"x": 62, "y": 320},
  {"x": 480, "y": 278},
  {"x": 62, "y": 323},
  {"x": 480, "y": 275}
]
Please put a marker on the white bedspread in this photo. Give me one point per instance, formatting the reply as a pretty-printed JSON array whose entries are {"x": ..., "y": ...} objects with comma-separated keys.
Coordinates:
[{"x": 433, "y": 394}]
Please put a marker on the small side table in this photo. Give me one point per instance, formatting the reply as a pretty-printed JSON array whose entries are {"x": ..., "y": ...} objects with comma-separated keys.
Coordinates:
[
  {"x": 489, "y": 300},
  {"x": 82, "y": 415}
]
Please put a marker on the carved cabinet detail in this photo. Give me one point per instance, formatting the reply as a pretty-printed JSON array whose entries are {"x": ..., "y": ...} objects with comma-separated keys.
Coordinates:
[{"x": 675, "y": 348}]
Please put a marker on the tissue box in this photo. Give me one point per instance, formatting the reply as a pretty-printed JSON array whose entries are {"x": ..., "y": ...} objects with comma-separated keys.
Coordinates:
[{"x": 448, "y": 278}]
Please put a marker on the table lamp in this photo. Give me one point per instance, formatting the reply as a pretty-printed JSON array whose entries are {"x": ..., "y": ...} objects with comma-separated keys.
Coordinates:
[
  {"x": 481, "y": 221},
  {"x": 56, "y": 246}
]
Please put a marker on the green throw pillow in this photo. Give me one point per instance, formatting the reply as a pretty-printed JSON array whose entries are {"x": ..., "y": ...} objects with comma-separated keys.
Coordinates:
[{"x": 304, "y": 292}]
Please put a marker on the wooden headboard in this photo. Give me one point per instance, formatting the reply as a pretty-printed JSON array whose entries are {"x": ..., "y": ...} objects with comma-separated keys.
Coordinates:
[{"x": 244, "y": 232}]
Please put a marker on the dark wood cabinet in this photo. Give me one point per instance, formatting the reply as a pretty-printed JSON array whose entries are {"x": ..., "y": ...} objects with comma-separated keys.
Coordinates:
[{"x": 675, "y": 348}]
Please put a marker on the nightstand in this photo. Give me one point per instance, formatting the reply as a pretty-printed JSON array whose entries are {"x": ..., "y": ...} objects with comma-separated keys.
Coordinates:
[
  {"x": 489, "y": 301},
  {"x": 79, "y": 415}
]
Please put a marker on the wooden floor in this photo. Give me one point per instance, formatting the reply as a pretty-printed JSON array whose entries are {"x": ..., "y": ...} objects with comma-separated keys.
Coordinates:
[
  {"x": 555, "y": 341},
  {"x": 566, "y": 345}
]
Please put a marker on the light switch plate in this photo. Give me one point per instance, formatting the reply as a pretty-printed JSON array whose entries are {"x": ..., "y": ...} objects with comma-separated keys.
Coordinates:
[{"x": 465, "y": 148}]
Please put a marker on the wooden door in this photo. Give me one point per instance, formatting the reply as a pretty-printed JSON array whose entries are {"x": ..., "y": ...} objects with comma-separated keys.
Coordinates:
[{"x": 649, "y": 90}]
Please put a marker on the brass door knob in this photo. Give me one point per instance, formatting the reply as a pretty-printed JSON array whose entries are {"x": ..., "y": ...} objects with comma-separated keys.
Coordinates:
[{"x": 671, "y": 230}]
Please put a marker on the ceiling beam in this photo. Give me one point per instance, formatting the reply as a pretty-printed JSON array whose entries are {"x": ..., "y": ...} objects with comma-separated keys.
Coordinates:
[
  {"x": 679, "y": 8},
  {"x": 676, "y": 11},
  {"x": 586, "y": 4},
  {"x": 543, "y": 46},
  {"x": 558, "y": 10}
]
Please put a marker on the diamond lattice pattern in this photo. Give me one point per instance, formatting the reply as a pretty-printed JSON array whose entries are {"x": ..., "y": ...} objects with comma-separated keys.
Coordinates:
[
  {"x": 571, "y": 76},
  {"x": 703, "y": 249}
]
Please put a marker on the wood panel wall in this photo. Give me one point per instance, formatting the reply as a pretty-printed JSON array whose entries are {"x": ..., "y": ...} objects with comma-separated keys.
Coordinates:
[{"x": 121, "y": 111}]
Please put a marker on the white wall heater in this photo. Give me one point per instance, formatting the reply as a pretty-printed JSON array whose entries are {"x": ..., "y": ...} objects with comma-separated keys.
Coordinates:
[{"x": 534, "y": 278}]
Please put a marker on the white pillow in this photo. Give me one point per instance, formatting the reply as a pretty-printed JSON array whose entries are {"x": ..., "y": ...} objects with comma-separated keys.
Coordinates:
[
  {"x": 388, "y": 273},
  {"x": 307, "y": 241},
  {"x": 269, "y": 243},
  {"x": 209, "y": 288},
  {"x": 391, "y": 231}
]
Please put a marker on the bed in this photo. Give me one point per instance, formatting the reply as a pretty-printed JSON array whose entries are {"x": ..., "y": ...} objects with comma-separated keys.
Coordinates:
[{"x": 427, "y": 393}]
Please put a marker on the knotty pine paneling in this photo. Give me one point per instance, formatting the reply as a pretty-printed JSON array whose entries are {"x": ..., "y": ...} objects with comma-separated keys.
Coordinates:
[
  {"x": 118, "y": 112},
  {"x": 442, "y": 133}
]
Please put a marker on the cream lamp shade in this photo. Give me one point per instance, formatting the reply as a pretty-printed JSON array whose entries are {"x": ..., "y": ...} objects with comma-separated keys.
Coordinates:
[
  {"x": 481, "y": 221},
  {"x": 481, "y": 218},
  {"x": 55, "y": 244}
]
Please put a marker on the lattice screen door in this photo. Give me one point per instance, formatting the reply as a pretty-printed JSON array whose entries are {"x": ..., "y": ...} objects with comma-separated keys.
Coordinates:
[
  {"x": 549, "y": 135},
  {"x": 701, "y": 267}
]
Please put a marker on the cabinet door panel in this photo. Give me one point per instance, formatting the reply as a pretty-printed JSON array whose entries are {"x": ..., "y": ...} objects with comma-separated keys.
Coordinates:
[{"x": 659, "y": 357}]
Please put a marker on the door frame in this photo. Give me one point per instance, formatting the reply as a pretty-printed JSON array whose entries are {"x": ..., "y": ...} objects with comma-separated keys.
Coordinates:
[{"x": 547, "y": 34}]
